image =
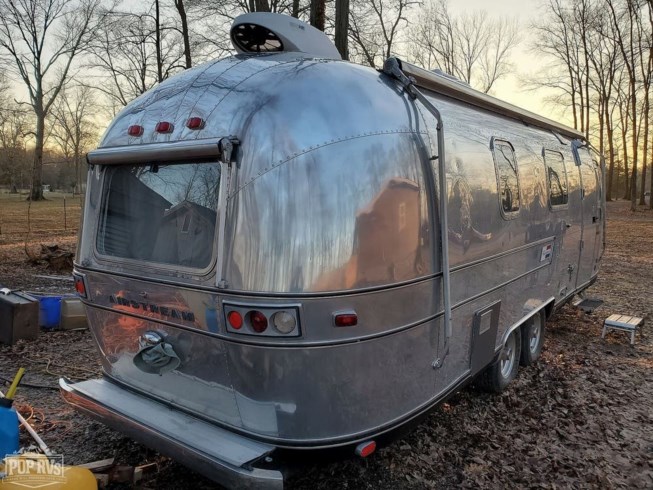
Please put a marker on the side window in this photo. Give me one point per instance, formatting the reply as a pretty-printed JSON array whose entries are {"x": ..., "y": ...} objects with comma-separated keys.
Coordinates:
[
  {"x": 557, "y": 178},
  {"x": 507, "y": 177}
]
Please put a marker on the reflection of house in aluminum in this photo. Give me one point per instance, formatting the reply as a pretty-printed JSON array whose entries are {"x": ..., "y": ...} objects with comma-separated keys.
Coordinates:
[
  {"x": 185, "y": 235},
  {"x": 386, "y": 239}
]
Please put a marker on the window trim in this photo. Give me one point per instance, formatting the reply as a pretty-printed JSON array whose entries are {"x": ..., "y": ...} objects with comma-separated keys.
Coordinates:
[
  {"x": 555, "y": 207},
  {"x": 155, "y": 268},
  {"x": 507, "y": 215}
]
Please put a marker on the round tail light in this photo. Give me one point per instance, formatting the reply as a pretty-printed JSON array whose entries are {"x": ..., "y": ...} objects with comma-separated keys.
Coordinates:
[
  {"x": 258, "y": 321},
  {"x": 284, "y": 322},
  {"x": 235, "y": 320}
]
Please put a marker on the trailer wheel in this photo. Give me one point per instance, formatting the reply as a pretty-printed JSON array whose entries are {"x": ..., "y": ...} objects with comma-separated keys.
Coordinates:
[
  {"x": 532, "y": 339},
  {"x": 503, "y": 370}
]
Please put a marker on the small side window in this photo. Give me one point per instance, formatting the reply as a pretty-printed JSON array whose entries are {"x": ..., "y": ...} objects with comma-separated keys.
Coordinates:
[
  {"x": 507, "y": 177},
  {"x": 557, "y": 178}
]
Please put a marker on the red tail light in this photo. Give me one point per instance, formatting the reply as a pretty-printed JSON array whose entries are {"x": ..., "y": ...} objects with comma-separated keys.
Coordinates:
[
  {"x": 346, "y": 319},
  {"x": 135, "y": 130},
  {"x": 364, "y": 449},
  {"x": 235, "y": 319},
  {"x": 80, "y": 286},
  {"x": 164, "y": 127},
  {"x": 259, "y": 321}
]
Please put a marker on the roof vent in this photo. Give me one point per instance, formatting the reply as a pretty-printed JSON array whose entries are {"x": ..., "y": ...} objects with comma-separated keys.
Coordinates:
[{"x": 265, "y": 32}]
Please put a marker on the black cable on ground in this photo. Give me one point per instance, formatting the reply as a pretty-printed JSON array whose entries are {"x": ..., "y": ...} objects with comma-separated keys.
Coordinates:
[{"x": 29, "y": 385}]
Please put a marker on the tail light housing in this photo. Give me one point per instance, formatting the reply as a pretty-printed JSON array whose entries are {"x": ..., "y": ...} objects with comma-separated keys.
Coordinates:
[
  {"x": 262, "y": 321},
  {"x": 80, "y": 285}
]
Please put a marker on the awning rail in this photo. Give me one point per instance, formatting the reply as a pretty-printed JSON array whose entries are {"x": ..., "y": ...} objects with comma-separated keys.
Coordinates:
[{"x": 186, "y": 150}]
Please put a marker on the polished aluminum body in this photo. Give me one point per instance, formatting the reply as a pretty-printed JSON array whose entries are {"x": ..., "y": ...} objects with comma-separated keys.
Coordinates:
[{"x": 328, "y": 203}]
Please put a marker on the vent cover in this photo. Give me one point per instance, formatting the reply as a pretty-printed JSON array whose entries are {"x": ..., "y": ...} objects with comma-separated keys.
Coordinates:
[
  {"x": 265, "y": 32},
  {"x": 253, "y": 38}
]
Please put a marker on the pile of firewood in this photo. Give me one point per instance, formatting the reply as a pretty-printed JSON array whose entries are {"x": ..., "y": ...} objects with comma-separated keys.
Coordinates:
[{"x": 56, "y": 258}]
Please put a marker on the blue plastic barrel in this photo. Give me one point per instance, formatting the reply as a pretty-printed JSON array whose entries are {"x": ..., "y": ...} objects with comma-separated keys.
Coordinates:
[{"x": 49, "y": 311}]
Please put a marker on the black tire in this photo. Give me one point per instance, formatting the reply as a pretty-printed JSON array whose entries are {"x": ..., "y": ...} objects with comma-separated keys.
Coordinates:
[
  {"x": 532, "y": 339},
  {"x": 498, "y": 375}
]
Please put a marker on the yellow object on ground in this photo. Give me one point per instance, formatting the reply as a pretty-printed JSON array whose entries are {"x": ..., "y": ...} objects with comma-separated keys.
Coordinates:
[
  {"x": 12, "y": 389},
  {"x": 38, "y": 471}
]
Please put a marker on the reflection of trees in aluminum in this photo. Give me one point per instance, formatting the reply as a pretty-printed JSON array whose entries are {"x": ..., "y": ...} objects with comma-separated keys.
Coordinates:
[
  {"x": 197, "y": 183},
  {"x": 509, "y": 185}
]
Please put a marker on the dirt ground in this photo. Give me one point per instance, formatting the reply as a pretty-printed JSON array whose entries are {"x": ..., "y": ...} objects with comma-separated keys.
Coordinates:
[{"x": 581, "y": 417}]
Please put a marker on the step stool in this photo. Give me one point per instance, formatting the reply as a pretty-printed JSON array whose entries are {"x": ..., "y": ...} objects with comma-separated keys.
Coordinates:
[{"x": 623, "y": 322}]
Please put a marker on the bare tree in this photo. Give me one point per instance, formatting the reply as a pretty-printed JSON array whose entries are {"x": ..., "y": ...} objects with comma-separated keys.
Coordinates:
[
  {"x": 318, "y": 14},
  {"x": 374, "y": 27},
  {"x": 73, "y": 128},
  {"x": 644, "y": 48},
  {"x": 342, "y": 28},
  {"x": 15, "y": 125},
  {"x": 128, "y": 58},
  {"x": 472, "y": 47},
  {"x": 604, "y": 61},
  {"x": 41, "y": 38},
  {"x": 623, "y": 29},
  {"x": 181, "y": 10},
  {"x": 559, "y": 37}
]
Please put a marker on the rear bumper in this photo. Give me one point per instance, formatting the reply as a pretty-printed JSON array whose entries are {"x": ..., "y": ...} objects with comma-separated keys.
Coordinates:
[{"x": 216, "y": 453}]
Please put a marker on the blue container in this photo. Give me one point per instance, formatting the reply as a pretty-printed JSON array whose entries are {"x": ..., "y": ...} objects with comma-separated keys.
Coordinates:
[
  {"x": 49, "y": 311},
  {"x": 8, "y": 429}
]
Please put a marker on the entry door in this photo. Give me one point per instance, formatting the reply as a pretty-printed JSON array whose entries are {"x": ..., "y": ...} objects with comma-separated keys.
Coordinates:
[
  {"x": 564, "y": 188},
  {"x": 592, "y": 216}
]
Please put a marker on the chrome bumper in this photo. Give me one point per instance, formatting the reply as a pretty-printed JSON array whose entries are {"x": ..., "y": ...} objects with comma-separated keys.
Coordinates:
[{"x": 221, "y": 455}]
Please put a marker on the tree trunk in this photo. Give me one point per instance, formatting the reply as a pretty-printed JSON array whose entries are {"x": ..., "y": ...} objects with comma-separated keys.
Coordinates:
[
  {"x": 650, "y": 196},
  {"x": 647, "y": 111},
  {"x": 318, "y": 11},
  {"x": 157, "y": 28},
  {"x": 184, "y": 31},
  {"x": 610, "y": 130},
  {"x": 36, "y": 193},
  {"x": 262, "y": 5},
  {"x": 633, "y": 185},
  {"x": 295, "y": 9},
  {"x": 624, "y": 142},
  {"x": 342, "y": 28}
]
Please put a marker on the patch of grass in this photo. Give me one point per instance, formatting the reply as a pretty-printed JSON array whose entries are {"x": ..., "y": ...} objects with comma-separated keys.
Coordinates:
[{"x": 60, "y": 213}]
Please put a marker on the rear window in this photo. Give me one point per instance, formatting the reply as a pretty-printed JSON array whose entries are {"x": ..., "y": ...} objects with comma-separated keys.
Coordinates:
[{"x": 160, "y": 213}]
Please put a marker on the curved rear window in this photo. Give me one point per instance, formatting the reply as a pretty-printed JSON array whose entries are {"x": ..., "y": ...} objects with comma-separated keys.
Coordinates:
[{"x": 160, "y": 213}]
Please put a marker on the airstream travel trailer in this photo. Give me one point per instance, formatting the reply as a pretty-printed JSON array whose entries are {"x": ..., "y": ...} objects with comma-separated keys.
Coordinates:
[{"x": 285, "y": 251}]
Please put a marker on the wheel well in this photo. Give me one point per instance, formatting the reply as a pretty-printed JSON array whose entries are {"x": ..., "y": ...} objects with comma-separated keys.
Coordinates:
[{"x": 548, "y": 309}]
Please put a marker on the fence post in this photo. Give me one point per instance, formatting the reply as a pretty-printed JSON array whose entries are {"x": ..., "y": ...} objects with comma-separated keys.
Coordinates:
[{"x": 65, "y": 223}]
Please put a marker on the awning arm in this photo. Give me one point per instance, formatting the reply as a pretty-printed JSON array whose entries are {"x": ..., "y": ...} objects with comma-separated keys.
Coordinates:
[{"x": 392, "y": 68}]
